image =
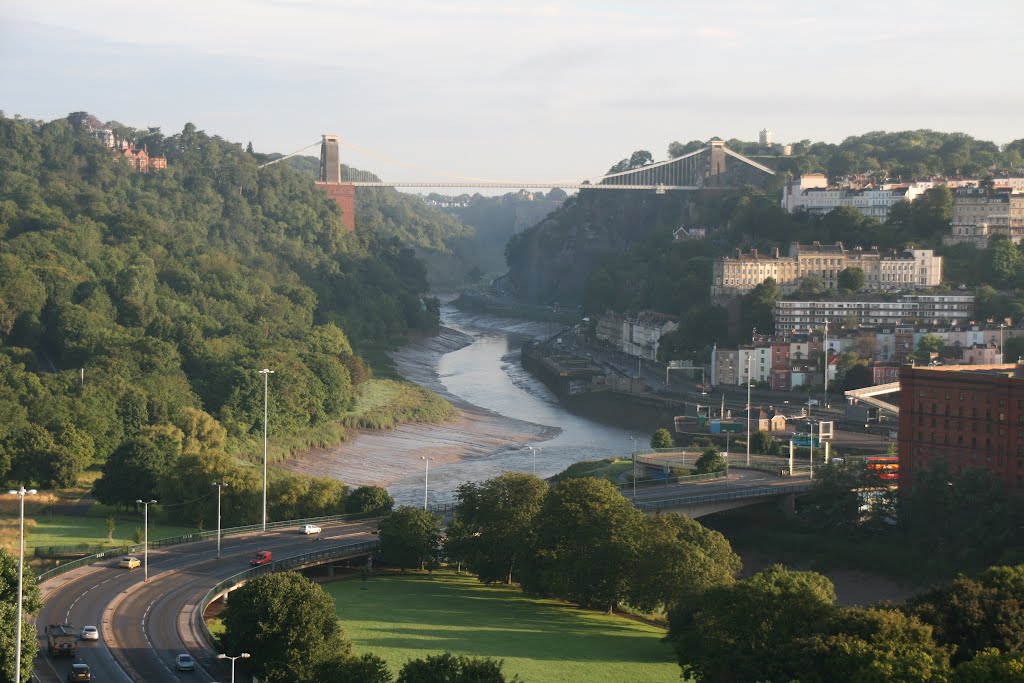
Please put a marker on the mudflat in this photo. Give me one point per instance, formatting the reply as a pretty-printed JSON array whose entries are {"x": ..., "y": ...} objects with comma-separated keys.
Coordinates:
[{"x": 384, "y": 457}]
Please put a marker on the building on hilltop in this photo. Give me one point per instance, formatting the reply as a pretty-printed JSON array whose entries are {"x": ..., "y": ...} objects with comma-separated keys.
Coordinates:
[
  {"x": 980, "y": 214},
  {"x": 813, "y": 194},
  {"x": 883, "y": 270},
  {"x": 140, "y": 159},
  {"x": 971, "y": 417}
]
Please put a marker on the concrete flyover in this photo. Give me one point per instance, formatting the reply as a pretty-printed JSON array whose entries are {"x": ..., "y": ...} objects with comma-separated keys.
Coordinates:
[{"x": 144, "y": 625}]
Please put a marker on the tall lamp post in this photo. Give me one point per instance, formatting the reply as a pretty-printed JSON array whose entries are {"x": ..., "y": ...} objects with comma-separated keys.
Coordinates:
[
  {"x": 244, "y": 655},
  {"x": 534, "y": 450},
  {"x": 145, "y": 525},
  {"x": 749, "y": 378},
  {"x": 219, "y": 485},
  {"x": 266, "y": 373},
  {"x": 21, "y": 493},
  {"x": 426, "y": 477}
]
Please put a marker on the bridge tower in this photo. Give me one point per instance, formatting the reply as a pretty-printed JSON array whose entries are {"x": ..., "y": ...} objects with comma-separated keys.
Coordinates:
[{"x": 343, "y": 194}]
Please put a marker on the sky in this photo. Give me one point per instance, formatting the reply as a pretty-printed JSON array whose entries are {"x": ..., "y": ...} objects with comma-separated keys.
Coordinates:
[{"x": 531, "y": 91}]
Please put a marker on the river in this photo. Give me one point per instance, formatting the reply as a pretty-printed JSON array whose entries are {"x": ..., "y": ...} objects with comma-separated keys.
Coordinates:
[{"x": 487, "y": 373}]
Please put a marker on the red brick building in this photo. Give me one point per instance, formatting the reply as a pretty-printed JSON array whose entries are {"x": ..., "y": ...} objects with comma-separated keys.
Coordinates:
[{"x": 970, "y": 415}]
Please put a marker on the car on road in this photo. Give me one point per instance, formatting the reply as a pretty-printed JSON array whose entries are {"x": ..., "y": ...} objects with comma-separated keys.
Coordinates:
[
  {"x": 311, "y": 529},
  {"x": 261, "y": 558},
  {"x": 184, "y": 662},
  {"x": 80, "y": 672},
  {"x": 90, "y": 633},
  {"x": 129, "y": 563}
]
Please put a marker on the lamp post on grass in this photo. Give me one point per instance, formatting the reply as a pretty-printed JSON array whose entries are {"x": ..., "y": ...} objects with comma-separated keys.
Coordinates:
[
  {"x": 633, "y": 438},
  {"x": 21, "y": 493},
  {"x": 244, "y": 655},
  {"x": 145, "y": 525}
]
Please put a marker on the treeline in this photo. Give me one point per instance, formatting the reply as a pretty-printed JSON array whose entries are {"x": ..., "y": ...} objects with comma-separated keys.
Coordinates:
[
  {"x": 140, "y": 306},
  {"x": 579, "y": 540},
  {"x": 782, "y": 625},
  {"x": 907, "y": 155}
]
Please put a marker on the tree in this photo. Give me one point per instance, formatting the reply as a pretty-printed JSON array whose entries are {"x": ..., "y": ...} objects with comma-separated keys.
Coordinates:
[
  {"x": 133, "y": 471},
  {"x": 811, "y": 286},
  {"x": 678, "y": 559},
  {"x": 366, "y": 499},
  {"x": 1006, "y": 264},
  {"x": 410, "y": 537},
  {"x": 289, "y": 625},
  {"x": 587, "y": 544},
  {"x": 662, "y": 438},
  {"x": 991, "y": 666},
  {"x": 447, "y": 668},
  {"x": 851, "y": 279},
  {"x": 871, "y": 646},
  {"x": 368, "y": 668},
  {"x": 763, "y": 442},
  {"x": 711, "y": 461},
  {"x": 758, "y": 307},
  {"x": 493, "y": 529},
  {"x": 31, "y": 604},
  {"x": 927, "y": 345},
  {"x": 974, "y": 615},
  {"x": 749, "y": 631}
]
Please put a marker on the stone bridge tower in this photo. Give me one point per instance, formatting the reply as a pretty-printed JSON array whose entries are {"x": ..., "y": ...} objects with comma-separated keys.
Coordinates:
[{"x": 343, "y": 194}]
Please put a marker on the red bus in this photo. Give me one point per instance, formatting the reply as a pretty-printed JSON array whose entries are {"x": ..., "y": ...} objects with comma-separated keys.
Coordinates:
[{"x": 886, "y": 468}]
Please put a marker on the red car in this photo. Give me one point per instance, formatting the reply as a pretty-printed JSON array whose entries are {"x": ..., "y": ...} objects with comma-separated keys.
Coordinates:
[{"x": 261, "y": 558}]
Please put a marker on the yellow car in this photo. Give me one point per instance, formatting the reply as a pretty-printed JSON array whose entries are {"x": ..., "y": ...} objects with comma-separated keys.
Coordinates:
[{"x": 129, "y": 563}]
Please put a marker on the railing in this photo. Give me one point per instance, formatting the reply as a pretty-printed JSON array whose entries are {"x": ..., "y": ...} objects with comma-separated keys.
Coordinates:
[
  {"x": 760, "y": 492},
  {"x": 204, "y": 536},
  {"x": 668, "y": 481},
  {"x": 284, "y": 564}
]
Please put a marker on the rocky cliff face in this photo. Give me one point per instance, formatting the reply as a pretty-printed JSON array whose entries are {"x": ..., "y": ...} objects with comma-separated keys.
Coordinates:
[{"x": 551, "y": 261}]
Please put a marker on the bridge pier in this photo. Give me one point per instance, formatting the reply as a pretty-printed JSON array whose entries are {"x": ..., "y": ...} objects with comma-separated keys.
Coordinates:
[{"x": 343, "y": 194}]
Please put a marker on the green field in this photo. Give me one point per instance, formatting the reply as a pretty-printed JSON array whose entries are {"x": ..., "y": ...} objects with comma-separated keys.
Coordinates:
[{"x": 403, "y": 617}]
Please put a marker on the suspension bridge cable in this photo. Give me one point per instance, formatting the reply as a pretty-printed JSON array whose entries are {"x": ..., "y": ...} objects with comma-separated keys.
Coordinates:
[{"x": 288, "y": 156}]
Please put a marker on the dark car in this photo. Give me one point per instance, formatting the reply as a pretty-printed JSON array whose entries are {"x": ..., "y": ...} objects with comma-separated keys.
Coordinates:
[{"x": 80, "y": 672}]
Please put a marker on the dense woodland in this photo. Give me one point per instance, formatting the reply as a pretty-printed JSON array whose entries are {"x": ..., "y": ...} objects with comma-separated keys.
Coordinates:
[{"x": 136, "y": 308}]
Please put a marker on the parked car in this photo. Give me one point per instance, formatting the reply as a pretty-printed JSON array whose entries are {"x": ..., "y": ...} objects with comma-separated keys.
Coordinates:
[
  {"x": 261, "y": 558},
  {"x": 90, "y": 633},
  {"x": 311, "y": 529},
  {"x": 129, "y": 563},
  {"x": 80, "y": 672},
  {"x": 184, "y": 662}
]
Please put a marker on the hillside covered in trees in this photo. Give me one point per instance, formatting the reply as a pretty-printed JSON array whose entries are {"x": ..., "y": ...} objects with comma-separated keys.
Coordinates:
[{"x": 139, "y": 306}]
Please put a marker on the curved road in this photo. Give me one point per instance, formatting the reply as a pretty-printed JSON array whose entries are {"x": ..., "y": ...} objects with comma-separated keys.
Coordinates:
[{"x": 143, "y": 626}]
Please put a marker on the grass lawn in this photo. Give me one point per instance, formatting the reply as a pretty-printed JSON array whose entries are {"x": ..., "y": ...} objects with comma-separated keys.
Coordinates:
[
  {"x": 402, "y": 617},
  {"x": 91, "y": 529}
]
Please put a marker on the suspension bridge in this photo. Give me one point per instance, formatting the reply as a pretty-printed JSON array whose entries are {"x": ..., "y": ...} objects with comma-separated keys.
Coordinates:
[{"x": 713, "y": 167}]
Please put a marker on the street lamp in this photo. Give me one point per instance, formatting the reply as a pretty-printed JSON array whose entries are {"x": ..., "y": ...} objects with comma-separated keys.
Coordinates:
[
  {"x": 426, "y": 477},
  {"x": 266, "y": 373},
  {"x": 1002, "y": 356},
  {"x": 145, "y": 525},
  {"x": 21, "y": 493},
  {"x": 534, "y": 450},
  {"x": 244, "y": 655},
  {"x": 749, "y": 359},
  {"x": 219, "y": 485}
]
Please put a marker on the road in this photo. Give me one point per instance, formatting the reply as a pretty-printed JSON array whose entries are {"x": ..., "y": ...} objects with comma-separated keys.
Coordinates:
[{"x": 143, "y": 626}]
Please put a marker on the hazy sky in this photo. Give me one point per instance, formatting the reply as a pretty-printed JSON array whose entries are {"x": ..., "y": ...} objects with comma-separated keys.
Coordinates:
[{"x": 517, "y": 90}]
